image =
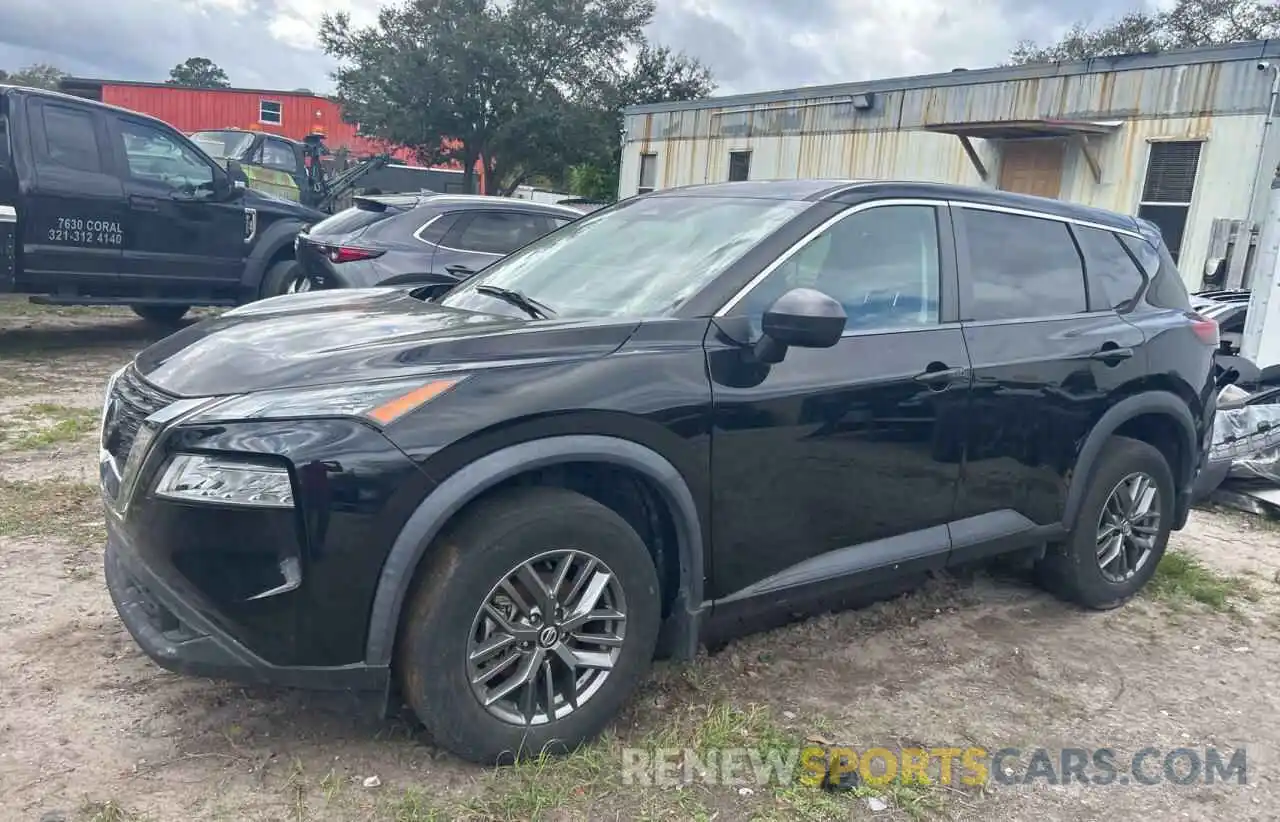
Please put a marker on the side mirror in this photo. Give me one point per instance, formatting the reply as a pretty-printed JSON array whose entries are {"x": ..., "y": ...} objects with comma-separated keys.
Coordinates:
[
  {"x": 236, "y": 174},
  {"x": 803, "y": 318}
]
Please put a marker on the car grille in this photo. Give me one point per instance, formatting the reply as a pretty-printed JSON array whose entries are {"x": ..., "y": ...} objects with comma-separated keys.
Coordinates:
[{"x": 131, "y": 402}]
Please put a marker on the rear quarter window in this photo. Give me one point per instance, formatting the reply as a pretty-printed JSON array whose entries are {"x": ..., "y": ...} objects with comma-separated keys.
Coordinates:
[
  {"x": 1167, "y": 289},
  {"x": 1115, "y": 280}
]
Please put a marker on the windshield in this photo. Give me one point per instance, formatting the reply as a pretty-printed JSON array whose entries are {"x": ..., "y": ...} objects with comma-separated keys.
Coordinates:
[
  {"x": 642, "y": 258},
  {"x": 222, "y": 144}
]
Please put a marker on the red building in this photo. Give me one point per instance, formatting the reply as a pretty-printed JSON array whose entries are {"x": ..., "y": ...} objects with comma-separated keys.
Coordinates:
[{"x": 293, "y": 114}]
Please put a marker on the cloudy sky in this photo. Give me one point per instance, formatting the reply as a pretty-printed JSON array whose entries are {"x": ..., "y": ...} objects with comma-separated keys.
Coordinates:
[{"x": 751, "y": 45}]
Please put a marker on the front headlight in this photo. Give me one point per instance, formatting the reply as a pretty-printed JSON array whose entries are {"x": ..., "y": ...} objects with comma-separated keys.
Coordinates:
[
  {"x": 381, "y": 402},
  {"x": 106, "y": 400},
  {"x": 225, "y": 480}
]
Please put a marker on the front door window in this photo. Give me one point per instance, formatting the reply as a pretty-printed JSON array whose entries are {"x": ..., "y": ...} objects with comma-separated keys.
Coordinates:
[{"x": 881, "y": 264}]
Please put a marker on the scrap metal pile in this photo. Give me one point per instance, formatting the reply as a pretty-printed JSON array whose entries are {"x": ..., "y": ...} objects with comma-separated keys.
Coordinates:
[{"x": 1244, "y": 457}]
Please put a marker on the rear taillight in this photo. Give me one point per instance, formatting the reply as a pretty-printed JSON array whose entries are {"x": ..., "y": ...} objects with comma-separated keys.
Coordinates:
[
  {"x": 350, "y": 254},
  {"x": 1205, "y": 328}
]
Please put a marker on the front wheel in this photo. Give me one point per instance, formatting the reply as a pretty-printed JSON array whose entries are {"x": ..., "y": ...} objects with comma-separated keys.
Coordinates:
[
  {"x": 284, "y": 277},
  {"x": 1121, "y": 530},
  {"x": 534, "y": 622}
]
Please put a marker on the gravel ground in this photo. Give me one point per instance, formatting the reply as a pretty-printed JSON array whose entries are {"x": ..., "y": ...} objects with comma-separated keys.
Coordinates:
[{"x": 90, "y": 729}]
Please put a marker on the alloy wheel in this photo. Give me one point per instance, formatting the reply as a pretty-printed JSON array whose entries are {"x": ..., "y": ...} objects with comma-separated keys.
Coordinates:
[
  {"x": 1128, "y": 527},
  {"x": 298, "y": 284},
  {"x": 546, "y": 637}
]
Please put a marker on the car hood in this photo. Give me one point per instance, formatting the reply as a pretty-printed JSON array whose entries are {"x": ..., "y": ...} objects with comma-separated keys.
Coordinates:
[
  {"x": 345, "y": 335},
  {"x": 269, "y": 204}
]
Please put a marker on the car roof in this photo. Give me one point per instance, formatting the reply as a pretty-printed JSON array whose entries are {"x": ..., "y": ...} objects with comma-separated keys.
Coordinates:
[
  {"x": 233, "y": 130},
  {"x": 465, "y": 202},
  {"x": 845, "y": 190}
]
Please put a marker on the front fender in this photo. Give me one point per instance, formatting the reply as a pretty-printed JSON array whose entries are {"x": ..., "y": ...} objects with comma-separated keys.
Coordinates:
[
  {"x": 1148, "y": 402},
  {"x": 270, "y": 241},
  {"x": 464, "y": 485}
]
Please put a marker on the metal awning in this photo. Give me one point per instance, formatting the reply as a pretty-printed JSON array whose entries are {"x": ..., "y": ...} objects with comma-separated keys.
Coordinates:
[
  {"x": 1079, "y": 132},
  {"x": 1024, "y": 129}
]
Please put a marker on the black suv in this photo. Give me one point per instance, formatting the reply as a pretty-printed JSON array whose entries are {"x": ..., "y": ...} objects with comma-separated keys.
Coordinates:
[
  {"x": 679, "y": 417},
  {"x": 391, "y": 239}
]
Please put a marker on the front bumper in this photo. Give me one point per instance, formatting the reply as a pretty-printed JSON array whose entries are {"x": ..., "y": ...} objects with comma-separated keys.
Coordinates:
[{"x": 177, "y": 638}]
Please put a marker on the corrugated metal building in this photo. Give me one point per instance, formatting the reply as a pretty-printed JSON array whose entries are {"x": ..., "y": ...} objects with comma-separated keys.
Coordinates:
[
  {"x": 292, "y": 114},
  {"x": 1180, "y": 138}
]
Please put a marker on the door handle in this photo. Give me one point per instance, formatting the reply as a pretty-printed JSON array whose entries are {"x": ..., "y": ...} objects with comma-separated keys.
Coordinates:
[
  {"x": 1111, "y": 354},
  {"x": 938, "y": 375},
  {"x": 459, "y": 270},
  {"x": 143, "y": 203}
]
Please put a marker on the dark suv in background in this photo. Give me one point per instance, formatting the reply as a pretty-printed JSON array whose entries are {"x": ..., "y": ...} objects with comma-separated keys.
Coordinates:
[
  {"x": 690, "y": 414},
  {"x": 421, "y": 238}
]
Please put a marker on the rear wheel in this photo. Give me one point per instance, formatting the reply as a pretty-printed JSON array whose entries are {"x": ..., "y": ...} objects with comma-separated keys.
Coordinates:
[
  {"x": 1121, "y": 530},
  {"x": 284, "y": 277},
  {"x": 161, "y": 314},
  {"x": 534, "y": 622}
]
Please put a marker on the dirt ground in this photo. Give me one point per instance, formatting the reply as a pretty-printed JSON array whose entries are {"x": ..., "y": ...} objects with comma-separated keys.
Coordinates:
[{"x": 90, "y": 729}]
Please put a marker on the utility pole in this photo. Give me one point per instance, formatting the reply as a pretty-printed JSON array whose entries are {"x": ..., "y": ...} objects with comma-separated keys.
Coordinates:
[{"x": 1261, "y": 343}]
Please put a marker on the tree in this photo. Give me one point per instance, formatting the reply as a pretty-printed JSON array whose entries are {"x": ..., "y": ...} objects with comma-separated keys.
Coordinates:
[
  {"x": 657, "y": 75},
  {"x": 520, "y": 87},
  {"x": 38, "y": 75},
  {"x": 1188, "y": 23},
  {"x": 198, "y": 72}
]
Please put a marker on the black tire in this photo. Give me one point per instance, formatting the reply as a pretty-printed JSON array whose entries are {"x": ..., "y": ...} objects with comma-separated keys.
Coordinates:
[
  {"x": 491, "y": 539},
  {"x": 1072, "y": 570},
  {"x": 278, "y": 278},
  {"x": 161, "y": 314}
]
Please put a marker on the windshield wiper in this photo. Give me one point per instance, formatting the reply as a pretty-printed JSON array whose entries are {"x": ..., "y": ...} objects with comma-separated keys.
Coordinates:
[{"x": 528, "y": 304}]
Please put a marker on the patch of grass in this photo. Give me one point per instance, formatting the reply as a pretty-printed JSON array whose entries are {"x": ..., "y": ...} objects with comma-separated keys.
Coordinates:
[
  {"x": 69, "y": 510},
  {"x": 109, "y": 811},
  {"x": 766, "y": 781},
  {"x": 45, "y": 424},
  {"x": 1181, "y": 578},
  {"x": 414, "y": 807}
]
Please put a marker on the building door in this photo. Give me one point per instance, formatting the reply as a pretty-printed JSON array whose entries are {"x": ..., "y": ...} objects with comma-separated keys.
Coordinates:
[{"x": 1032, "y": 167}]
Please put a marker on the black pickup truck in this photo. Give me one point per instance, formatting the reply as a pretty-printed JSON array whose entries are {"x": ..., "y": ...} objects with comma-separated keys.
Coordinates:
[{"x": 100, "y": 206}]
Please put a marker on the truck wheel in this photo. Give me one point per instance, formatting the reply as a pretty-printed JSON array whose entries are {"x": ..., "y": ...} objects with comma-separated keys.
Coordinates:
[
  {"x": 1121, "y": 530},
  {"x": 533, "y": 622},
  {"x": 161, "y": 314},
  {"x": 285, "y": 277}
]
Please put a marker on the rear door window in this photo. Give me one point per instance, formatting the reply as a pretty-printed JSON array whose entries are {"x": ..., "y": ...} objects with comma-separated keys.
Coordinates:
[
  {"x": 1114, "y": 278},
  {"x": 70, "y": 139},
  {"x": 1018, "y": 267},
  {"x": 432, "y": 229},
  {"x": 496, "y": 232}
]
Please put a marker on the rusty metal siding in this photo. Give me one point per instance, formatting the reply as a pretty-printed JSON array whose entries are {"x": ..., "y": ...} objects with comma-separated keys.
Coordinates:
[
  {"x": 1221, "y": 102},
  {"x": 1201, "y": 90},
  {"x": 1228, "y": 157}
]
